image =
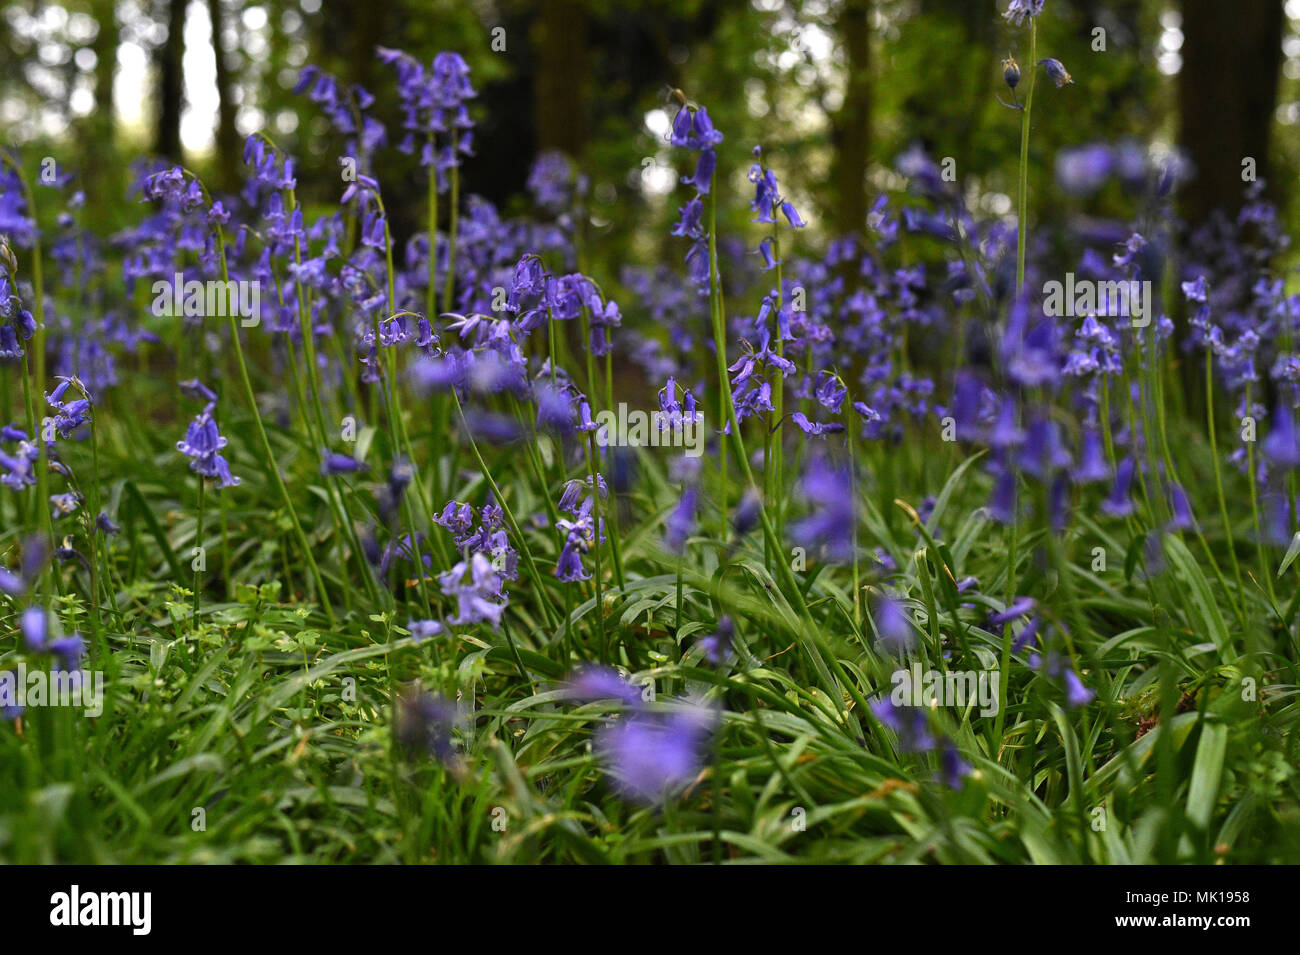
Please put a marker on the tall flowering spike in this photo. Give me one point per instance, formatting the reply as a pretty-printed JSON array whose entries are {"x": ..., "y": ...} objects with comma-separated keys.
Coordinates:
[{"x": 202, "y": 443}]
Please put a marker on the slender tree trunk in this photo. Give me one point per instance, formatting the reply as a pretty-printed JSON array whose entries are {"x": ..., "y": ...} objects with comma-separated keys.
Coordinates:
[
  {"x": 559, "y": 103},
  {"x": 1227, "y": 95},
  {"x": 171, "y": 83},
  {"x": 227, "y": 137},
  {"x": 102, "y": 126},
  {"x": 852, "y": 124}
]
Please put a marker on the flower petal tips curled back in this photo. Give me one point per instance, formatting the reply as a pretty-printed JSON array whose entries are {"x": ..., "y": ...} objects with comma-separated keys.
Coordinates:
[
  {"x": 1019, "y": 10},
  {"x": 1056, "y": 71}
]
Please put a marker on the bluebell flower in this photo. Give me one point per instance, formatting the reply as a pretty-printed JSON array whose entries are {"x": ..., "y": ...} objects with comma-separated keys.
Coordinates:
[
  {"x": 816, "y": 428},
  {"x": 909, "y": 723},
  {"x": 1119, "y": 504},
  {"x": 952, "y": 768},
  {"x": 680, "y": 521},
  {"x": 1083, "y": 170},
  {"x": 477, "y": 587},
  {"x": 703, "y": 178},
  {"x": 1282, "y": 446},
  {"x": 35, "y": 627},
  {"x": 689, "y": 224},
  {"x": 1056, "y": 72},
  {"x": 717, "y": 645},
  {"x": 202, "y": 445},
  {"x": 1019, "y": 607},
  {"x": 11, "y": 583},
  {"x": 1020, "y": 10},
  {"x": 1092, "y": 465},
  {"x": 692, "y": 129},
  {"x": 892, "y": 625},
  {"x": 593, "y": 682},
  {"x": 747, "y": 513},
  {"x": 652, "y": 756},
  {"x": 1011, "y": 72},
  {"x": 423, "y": 725},
  {"x": 332, "y": 462},
  {"x": 422, "y": 630},
  {"x": 1181, "y": 509},
  {"x": 1028, "y": 635},
  {"x": 831, "y": 520},
  {"x": 1076, "y": 694}
]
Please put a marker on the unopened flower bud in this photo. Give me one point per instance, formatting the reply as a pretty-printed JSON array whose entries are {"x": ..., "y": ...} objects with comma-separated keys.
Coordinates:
[{"x": 1011, "y": 72}]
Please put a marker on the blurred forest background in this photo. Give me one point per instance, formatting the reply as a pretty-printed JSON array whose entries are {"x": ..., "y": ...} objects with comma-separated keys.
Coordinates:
[{"x": 835, "y": 90}]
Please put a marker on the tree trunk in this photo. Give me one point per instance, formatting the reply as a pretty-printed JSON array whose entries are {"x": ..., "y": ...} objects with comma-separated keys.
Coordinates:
[
  {"x": 102, "y": 125},
  {"x": 227, "y": 137},
  {"x": 559, "y": 102},
  {"x": 852, "y": 124},
  {"x": 1227, "y": 96},
  {"x": 171, "y": 80}
]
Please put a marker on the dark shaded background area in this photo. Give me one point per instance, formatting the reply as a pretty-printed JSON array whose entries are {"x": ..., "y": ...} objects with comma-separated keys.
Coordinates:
[{"x": 833, "y": 89}]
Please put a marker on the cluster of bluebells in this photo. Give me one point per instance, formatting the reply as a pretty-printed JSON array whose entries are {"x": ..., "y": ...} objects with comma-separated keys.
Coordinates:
[
  {"x": 17, "y": 325},
  {"x": 651, "y": 752},
  {"x": 436, "y": 120},
  {"x": 1243, "y": 321},
  {"x": 836, "y": 330},
  {"x": 42, "y": 637},
  {"x": 482, "y": 532},
  {"x": 1054, "y": 666},
  {"x": 911, "y": 726},
  {"x": 347, "y": 106}
]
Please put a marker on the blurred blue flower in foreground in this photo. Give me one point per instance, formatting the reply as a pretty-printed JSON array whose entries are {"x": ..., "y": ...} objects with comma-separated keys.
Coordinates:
[
  {"x": 422, "y": 726},
  {"x": 652, "y": 753}
]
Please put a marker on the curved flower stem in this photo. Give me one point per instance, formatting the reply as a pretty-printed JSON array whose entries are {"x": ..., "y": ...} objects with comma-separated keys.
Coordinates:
[
  {"x": 1218, "y": 473},
  {"x": 774, "y": 459},
  {"x": 338, "y": 506},
  {"x": 595, "y": 545},
  {"x": 430, "y": 292},
  {"x": 96, "y": 502},
  {"x": 1260, "y": 543},
  {"x": 399, "y": 438},
  {"x": 1022, "y": 222},
  {"x": 36, "y": 358},
  {"x": 202, "y": 558},
  {"x": 825, "y": 658},
  {"x": 615, "y": 550},
  {"x": 849, "y": 437},
  {"x": 268, "y": 455},
  {"x": 509, "y": 516},
  {"x": 450, "y": 282}
]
